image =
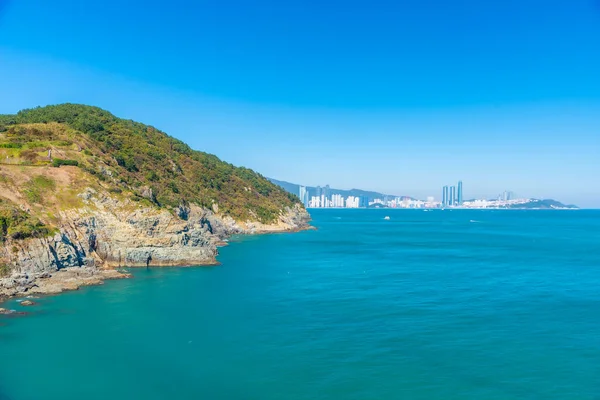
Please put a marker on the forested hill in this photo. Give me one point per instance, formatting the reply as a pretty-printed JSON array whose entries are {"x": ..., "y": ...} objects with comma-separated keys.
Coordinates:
[{"x": 138, "y": 159}]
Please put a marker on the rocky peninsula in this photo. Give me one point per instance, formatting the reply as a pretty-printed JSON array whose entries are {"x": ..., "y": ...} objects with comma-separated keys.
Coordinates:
[{"x": 109, "y": 203}]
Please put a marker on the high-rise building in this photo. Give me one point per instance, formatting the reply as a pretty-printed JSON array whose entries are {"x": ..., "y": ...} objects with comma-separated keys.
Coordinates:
[
  {"x": 460, "y": 193},
  {"x": 303, "y": 195},
  {"x": 452, "y": 197},
  {"x": 445, "y": 196},
  {"x": 506, "y": 195},
  {"x": 364, "y": 201}
]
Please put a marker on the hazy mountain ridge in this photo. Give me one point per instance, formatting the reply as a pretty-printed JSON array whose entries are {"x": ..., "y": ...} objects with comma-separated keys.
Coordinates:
[
  {"x": 294, "y": 188},
  {"x": 544, "y": 204}
]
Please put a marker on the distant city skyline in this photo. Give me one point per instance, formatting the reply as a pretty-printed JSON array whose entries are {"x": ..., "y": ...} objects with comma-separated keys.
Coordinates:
[
  {"x": 501, "y": 94},
  {"x": 451, "y": 197},
  {"x": 326, "y": 198},
  {"x": 447, "y": 194}
]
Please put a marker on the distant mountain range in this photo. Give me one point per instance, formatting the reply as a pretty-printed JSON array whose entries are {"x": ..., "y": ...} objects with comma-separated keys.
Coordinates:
[
  {"x": 543, "y": 204},
  {"x": 312, "y": 191}
]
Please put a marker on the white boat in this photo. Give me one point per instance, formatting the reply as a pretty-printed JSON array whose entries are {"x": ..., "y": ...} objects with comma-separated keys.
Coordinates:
[{"x": 387, "y": 218}]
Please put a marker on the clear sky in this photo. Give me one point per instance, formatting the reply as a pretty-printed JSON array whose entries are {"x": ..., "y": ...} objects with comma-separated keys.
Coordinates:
[{"x": 397, "y": 96}]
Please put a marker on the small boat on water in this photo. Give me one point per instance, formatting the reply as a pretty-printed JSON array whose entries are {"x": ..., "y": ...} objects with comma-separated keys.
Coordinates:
[{"x": 386, "y": 218}]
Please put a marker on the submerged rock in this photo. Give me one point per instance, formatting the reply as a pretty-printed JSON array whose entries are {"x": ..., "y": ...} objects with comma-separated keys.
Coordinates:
[{"x": 4, "y": 311}]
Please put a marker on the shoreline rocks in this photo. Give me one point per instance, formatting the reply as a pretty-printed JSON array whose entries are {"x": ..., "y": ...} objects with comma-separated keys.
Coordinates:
[
  {"x": 90, "y": 245},
  {"x": 53, "y": 283}
]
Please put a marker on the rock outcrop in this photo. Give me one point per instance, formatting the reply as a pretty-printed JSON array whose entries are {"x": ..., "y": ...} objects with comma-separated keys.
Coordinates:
[{"x": 108, "y": 233}]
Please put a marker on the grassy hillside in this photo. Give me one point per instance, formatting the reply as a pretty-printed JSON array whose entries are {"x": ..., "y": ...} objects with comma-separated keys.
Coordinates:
[{"x": 132, "y": 159}]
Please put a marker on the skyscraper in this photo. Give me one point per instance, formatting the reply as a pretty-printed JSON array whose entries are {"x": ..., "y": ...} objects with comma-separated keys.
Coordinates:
[
  {"x": 460, "y": 193},
  {"x": 364, "y": 201},
  {"x": 302, "y": 194},
  {"x": 445, "y": 196},
  {"x": 452, "y": 198}
]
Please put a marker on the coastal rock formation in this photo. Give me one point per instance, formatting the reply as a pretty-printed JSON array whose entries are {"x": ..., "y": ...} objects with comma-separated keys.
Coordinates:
[
  {"x": 53, "y": 282},
  {"x": 4, "y": 311},
  {"x": 83, "y": 193},
  {"x": 107, "y": 233}
]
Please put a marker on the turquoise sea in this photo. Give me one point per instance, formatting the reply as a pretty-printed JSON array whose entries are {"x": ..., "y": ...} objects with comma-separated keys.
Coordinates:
[{"x": 427, "y": 305}]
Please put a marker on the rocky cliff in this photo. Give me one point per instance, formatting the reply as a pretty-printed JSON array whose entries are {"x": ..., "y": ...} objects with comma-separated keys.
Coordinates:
[
  {"x": 83, "y": 193},
  {"x": 106, "y": 233}
]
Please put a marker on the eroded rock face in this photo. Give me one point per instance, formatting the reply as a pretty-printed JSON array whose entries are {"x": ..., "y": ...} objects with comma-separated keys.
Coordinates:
[{"x": 109, "y": 233}]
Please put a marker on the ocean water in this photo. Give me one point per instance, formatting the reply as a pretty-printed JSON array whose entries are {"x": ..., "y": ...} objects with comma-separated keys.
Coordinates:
[{"x": 426, "y": 305}]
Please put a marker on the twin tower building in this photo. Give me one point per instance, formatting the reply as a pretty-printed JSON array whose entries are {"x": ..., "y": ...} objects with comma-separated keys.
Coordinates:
[{"x": 451, "y": 196}]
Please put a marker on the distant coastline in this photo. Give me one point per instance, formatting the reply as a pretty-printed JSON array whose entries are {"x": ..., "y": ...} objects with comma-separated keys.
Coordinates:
[
  {"x": 326, "y": 197},
  {"x": 454, "y": 208}
]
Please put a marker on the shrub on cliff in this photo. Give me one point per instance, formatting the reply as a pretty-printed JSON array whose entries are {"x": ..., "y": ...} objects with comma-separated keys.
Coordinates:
[
  {"x": 17, "y": 224},
  {"x": 57, "y": 162}
]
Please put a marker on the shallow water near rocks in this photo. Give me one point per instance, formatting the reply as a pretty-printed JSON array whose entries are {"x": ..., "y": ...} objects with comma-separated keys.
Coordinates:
[{"x": 426, "y": 305}]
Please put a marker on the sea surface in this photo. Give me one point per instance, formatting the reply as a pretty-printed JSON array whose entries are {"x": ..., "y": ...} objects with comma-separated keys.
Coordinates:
[{"x": 457, "y": 304}]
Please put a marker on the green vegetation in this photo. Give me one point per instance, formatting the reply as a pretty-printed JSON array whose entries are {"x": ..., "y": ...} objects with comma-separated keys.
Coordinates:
[
  {"x": 11, "y": 145},
  {"x": 17, "y": 224},
  {"x": 38, "y": 188},
  {"x": 130, "y": 156},
  {"x": 57, "y": 162},
  {"x": 33, "y": 144}
]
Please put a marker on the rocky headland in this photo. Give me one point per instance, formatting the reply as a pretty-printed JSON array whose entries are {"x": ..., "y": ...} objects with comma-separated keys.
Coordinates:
[
  {"x": 90, "y": 246},
  {"x": 76, "y": 222}
]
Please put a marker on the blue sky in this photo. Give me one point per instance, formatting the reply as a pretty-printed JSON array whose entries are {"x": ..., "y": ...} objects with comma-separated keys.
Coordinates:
[{"x": 397, "y": 96}]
